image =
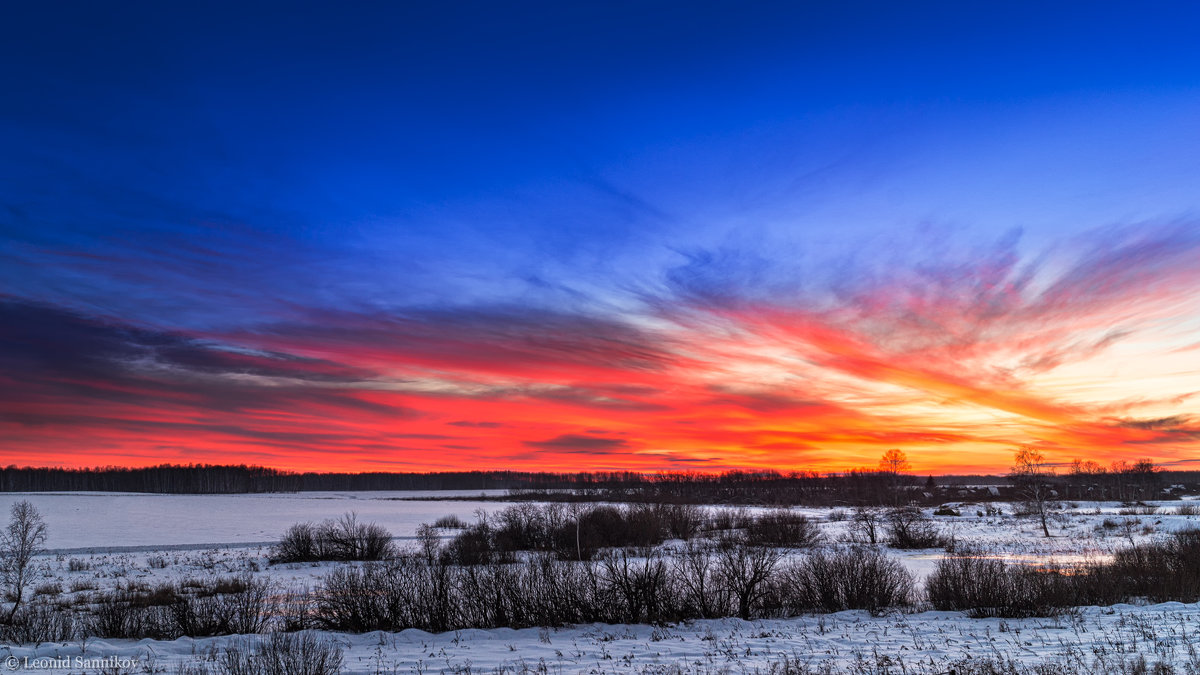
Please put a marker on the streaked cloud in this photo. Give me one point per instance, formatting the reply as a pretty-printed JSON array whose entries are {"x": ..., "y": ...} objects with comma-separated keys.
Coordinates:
[{"x": 955, "y": 361}]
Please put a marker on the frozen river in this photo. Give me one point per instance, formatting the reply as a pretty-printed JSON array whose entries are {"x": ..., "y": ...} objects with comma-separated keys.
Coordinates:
[{"x": 80, "y": 520}]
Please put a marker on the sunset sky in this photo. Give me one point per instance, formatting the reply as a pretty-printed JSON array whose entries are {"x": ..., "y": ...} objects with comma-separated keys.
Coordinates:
[{"x": 591, "y": 236}]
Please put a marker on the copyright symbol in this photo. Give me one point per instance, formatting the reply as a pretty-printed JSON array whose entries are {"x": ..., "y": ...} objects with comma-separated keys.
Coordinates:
[{"x": 12, "y": 663}]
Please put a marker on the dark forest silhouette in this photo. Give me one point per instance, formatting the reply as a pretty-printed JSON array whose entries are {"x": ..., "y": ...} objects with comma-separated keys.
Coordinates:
[{"x": 1139, "y": 480}]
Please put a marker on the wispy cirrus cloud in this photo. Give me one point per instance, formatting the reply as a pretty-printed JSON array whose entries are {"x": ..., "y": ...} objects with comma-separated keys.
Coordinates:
[{"x": 956, "y": 354}]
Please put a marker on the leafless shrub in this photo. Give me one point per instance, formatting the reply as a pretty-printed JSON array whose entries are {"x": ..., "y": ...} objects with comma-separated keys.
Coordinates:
[
  {"x": 641, "y": 585},
  {"x": 245, "y": 608},
  {"x": 193, "y": 608},
  {"x": 449, "y": 522},
  {"x": 726, "y": 520},
  {"x": 984, "y": 586},
  {"x": 866, "y": 525},
  {"x": 548, "y": 591},
  {"x": 475, "y": 545},
  {"x": 574, "y": 532},
  {"x": 298, "y": 544},
  {"x": 491, "y": 594},
  {"x": 683, "y": 521},
  {"x": 743, "y": 571},
  {"x": 40, "y": 622},
  {"x": 527, "y": 527},
  {"x": 638, "y": 525},
  {"x": 78, "y": 585},
  {"x": 855, "y": 578},
  {"x": 909, "y": 528},
  {"x": 783, "y": 528},
  {"x": 1162, "y": 571},
  {"x": 282, "y": 654},
  {"x": 702, "y": 593},
  {"x": 294, "y": 610},
  {"x": 342, "y": 539},
  {"x": 360, "y": 599},
  {"x": 348, "y": 539},
  {"x": 117, "y": 615}
]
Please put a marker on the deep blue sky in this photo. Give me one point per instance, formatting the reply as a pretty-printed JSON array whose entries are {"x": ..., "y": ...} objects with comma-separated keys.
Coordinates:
[
  {"x": 222, "y": 169},
  {"x": 496, "y": 139}
]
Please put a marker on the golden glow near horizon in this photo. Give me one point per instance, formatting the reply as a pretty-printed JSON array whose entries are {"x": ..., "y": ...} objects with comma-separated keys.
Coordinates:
[{"x": 1099, "y": 363}]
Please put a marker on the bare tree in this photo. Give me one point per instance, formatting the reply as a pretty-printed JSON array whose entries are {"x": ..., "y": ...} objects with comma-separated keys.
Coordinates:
[
  {"x": 1031, "y": 476},
  {"x": 19, "y": 543},
  {"x": 894, "y": 463}
]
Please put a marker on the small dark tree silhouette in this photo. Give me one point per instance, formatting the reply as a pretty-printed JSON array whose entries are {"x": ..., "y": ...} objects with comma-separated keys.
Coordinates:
[{"x": 894, "y": 463}]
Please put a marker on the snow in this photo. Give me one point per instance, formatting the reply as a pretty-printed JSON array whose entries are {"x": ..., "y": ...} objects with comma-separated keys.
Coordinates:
[
  {"x": 99, "y": 541},
  {"x": 924, "y": 642}
]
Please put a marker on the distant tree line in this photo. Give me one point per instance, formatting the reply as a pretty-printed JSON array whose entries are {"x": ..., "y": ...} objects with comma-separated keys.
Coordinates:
[
  {"x": 887, "y": 485},
  {"x": 857, "y": 486},
  {"x": 1120, "y": 481},
  {"x": 770, "y": 487},
  {"x": 229, "y": 479}
]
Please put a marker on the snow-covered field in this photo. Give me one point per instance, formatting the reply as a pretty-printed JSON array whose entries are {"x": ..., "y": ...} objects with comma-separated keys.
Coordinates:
[
  {"x": 1113, "y": 639},
  {"x": 100, "y": 541}
]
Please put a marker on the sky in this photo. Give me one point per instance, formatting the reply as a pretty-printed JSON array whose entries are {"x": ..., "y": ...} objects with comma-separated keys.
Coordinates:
[{"x": 599, "y": 236}]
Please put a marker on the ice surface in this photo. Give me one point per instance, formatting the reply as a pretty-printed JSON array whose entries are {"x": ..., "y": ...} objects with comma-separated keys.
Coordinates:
[{"x": 80, "y": 520}]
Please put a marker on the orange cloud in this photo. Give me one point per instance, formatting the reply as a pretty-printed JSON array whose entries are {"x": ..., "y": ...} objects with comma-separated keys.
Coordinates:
[{"x": 956, "y": 365}]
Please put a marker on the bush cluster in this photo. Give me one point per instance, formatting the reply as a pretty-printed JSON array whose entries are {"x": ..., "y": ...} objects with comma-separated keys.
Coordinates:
[
  {"x": 342, "y": 539},
  {"x": 191, "y": 608},
  {"x": 983, "y": 586},
  {"x": 40, "y": 621},
  {"x": 582, "y": 532},
  {"x": 856, "y": 578},
  {"x": 571, "y": 532},
  {"x": 730, "y": 577},
  {"x": 909, "y": 528},
  {"x": 1158, "y": 571},
  {"x": 782, "y": 528},
  {"x": 552, "y": 565},
  {"x": 282, "y": 654}
]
